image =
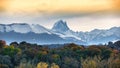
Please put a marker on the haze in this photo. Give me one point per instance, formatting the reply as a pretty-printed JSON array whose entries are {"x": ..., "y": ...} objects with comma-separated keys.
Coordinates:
[{"x": 81, "y": 15}]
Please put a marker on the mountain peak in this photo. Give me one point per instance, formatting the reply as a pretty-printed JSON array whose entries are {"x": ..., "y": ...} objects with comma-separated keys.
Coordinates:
[{"x": 60, "y": 26}]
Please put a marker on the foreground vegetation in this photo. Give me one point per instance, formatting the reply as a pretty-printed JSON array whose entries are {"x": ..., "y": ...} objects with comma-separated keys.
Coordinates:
[{"x": 26, "y": 55}]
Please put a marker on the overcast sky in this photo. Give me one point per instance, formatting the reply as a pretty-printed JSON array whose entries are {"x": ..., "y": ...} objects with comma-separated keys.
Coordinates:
[{"x": 80, "y": 15}]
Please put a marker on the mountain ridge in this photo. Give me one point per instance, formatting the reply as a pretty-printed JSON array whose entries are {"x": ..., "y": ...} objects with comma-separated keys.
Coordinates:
[
  {"x": 61, "y": 30},
  {"x": 51, "y": 29}
]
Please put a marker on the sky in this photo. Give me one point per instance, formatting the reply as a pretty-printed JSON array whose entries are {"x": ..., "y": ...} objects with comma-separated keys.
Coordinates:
[{"x": 80, "y": 15}]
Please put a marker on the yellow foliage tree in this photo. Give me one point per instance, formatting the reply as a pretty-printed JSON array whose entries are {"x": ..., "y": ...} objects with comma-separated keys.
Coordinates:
[
  {"x": 42, "y": 65},
  {"x": 91, "y": 62},
  {"x": 53, "y": 65}
]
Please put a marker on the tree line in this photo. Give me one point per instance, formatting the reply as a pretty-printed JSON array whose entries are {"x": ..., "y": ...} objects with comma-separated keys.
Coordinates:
[{"x": 27, "y": 55}]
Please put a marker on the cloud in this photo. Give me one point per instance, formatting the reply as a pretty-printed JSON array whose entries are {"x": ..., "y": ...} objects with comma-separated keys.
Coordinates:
[
  {"x": 4, "y": 5},
  {"x": 116, "y": 4},
  {"x": 60, "y": 6},
  {"x": 84, "y": 14}
]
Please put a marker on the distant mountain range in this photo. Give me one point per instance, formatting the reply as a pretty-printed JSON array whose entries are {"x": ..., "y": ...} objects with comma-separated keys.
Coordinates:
[{"x": 59, "y": 34}]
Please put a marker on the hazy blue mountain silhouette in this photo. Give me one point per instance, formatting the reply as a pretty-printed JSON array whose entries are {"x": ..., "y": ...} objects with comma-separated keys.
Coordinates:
[{"x": 59, "y": 34}]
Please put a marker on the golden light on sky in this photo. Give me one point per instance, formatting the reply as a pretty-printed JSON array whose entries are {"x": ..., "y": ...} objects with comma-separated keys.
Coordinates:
[
  {"x": 60, "y": 5},
  {"x": 96, "y": 13},
  {"x": 3, "y": 5},
  {"x": 116, "y": 4}
]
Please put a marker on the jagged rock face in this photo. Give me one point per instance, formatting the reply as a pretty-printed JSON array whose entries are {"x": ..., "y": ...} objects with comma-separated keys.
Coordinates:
[{"x": 60, "y": 26}]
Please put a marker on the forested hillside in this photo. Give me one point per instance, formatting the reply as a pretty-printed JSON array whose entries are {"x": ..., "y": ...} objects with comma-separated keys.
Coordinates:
[{"x": 27, "y": 55}]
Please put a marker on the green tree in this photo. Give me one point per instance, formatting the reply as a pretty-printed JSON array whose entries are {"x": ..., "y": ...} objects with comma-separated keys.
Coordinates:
[{"x": 11, "y": 51}]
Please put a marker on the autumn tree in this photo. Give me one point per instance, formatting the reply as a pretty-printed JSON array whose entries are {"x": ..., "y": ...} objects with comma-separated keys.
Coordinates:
[
  {"x": 53, "y": 65},
  {"x": 42, "y": 65},
  {"x": 11, "y": 51},
  {"x": 2, "y": 43}
]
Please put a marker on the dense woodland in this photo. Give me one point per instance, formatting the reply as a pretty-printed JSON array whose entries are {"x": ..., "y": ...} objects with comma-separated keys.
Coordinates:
[{"x": 26, "y": 55}]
